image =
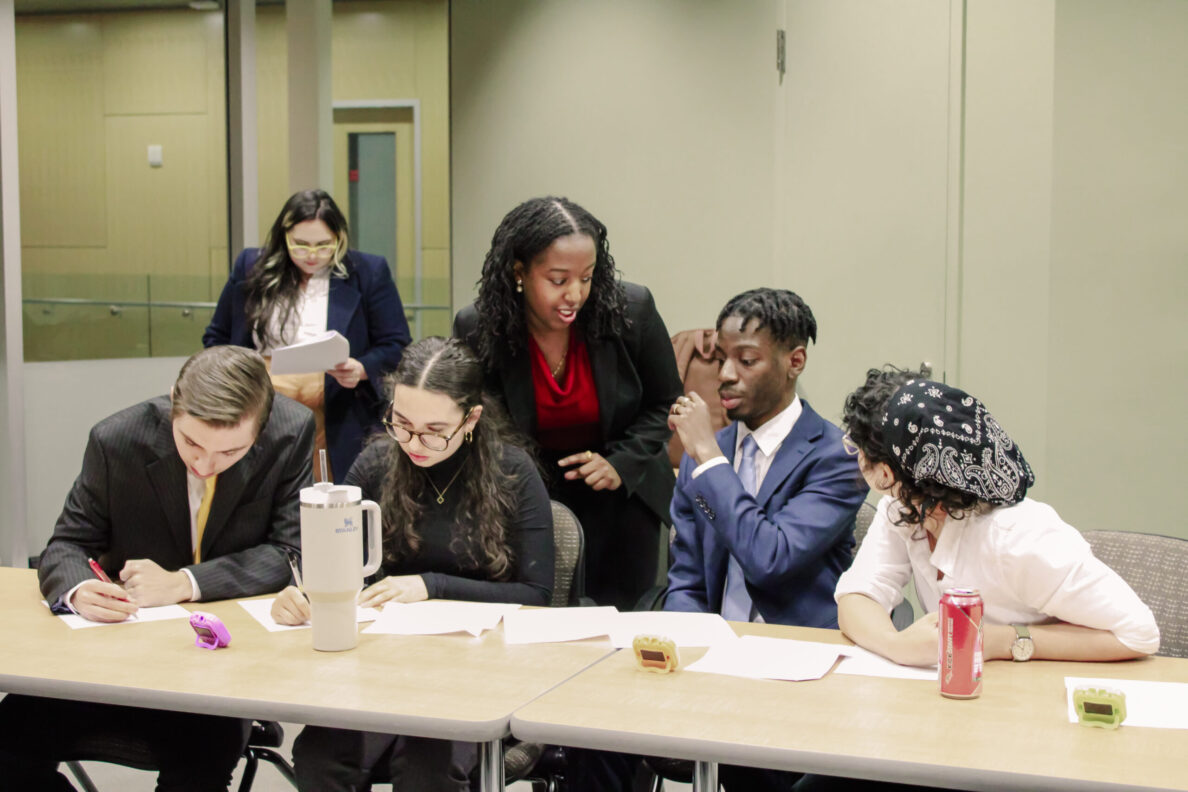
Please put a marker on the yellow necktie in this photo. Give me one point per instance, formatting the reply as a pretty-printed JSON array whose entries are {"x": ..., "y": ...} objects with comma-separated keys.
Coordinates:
[{"x": 203, "y": 513}]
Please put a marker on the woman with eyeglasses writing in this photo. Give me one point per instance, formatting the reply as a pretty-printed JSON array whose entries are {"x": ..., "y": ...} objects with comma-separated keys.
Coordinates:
[
  {"x": 466, "y": 516},
  {"x": 304, "y": 281}
]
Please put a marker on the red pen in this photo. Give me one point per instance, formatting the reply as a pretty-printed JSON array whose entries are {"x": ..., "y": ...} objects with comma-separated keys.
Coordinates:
[{"x": 99, "y": 573}]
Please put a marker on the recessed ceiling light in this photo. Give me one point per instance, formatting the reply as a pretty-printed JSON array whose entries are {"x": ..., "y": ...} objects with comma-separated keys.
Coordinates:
[{"x": 204, "y": 5}]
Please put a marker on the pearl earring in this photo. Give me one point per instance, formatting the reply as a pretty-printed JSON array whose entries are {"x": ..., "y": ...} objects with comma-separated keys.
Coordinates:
[{"x": 519, "y": 286}]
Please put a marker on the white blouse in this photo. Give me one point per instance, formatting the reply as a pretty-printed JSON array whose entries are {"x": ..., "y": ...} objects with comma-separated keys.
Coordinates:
[
  {"x": 308, "y": 319},
  {"x": 1028, "y": 564}
]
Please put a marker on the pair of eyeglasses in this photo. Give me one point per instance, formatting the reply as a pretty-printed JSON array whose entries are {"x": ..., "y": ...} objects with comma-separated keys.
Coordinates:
[
  {"x": 849, "y": 445},
  {"x": 431, "y": 441},
  {"x": 304, "y": 252}
]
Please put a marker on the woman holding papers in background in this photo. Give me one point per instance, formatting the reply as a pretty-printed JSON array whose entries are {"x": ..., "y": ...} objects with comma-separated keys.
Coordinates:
[
  {"x": 466, "y": 516},
  {"x": 301, "y": 284},
  {"x": 955, "y": 515}
]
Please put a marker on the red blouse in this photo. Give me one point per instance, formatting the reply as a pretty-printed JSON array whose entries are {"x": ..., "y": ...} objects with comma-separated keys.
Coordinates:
[{"x": 567, "y": 416}]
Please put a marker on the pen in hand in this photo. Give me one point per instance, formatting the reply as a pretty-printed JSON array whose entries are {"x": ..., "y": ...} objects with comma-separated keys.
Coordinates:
[
  {"x": 99, "y": 573},
  {"x": 296, "y": 572}
]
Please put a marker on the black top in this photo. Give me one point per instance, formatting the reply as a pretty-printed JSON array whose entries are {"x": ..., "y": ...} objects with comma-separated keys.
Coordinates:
[{"x": 447, "y": 556}]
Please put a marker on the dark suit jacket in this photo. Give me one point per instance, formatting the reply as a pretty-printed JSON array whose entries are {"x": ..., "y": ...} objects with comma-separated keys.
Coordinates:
[
  {"x": 636, "y": 379},
  {"x": 366, "y": 310},
  {"x": 793, "y": 539},
  {"x": 131, "y": 501}
]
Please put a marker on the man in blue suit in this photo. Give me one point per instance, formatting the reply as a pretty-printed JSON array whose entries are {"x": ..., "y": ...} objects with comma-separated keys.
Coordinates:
[{"x": 764, "y": 510}]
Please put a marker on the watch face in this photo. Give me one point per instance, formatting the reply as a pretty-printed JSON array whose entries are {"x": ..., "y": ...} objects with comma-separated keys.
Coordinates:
[{"x": 1022, "y": 649}]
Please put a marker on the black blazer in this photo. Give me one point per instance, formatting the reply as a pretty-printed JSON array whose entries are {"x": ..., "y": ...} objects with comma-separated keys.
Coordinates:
[
  {"x": 366, "y": 309},
  {"x": 636, "y": 379},
  {"x": 131, "y": 501}
]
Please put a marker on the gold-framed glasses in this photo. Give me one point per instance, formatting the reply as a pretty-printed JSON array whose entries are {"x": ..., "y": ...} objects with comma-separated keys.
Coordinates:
[
  {"x": 430, "y": 440},
  {"x": 305, "y": 252},
  {"x": 849, "y": 445}
]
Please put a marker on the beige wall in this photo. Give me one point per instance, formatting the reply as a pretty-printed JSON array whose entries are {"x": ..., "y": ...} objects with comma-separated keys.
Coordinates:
[{"x": 997, "y": 187}]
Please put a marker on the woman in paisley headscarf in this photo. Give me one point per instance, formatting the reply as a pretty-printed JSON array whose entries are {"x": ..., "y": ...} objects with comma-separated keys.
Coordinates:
[{"x": 954, "y": 514}]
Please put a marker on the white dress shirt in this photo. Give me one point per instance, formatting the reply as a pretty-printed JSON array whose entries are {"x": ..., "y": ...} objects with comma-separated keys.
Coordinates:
[
  {"x": 308, "y": 319},
  {"x": 1028, "y": 564},
  {"x": 768, "y": 439}
]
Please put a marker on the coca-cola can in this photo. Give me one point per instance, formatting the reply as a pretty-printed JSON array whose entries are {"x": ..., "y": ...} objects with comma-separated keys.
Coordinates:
[{"x": 960, "y": 654}]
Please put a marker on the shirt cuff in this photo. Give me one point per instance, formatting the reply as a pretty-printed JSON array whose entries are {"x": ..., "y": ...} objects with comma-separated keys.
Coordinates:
[
  {"x": 67, "y": 599},
  {"x": 704, "y": 466},
  {"x": 197, "y": 595}
]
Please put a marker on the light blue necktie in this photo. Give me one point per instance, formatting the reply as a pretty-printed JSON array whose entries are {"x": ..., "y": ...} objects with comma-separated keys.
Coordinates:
[{"x": 736, "y": 602}]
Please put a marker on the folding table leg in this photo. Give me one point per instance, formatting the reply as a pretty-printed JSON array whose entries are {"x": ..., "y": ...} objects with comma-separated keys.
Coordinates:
[
  {"x": 491, "y": 766},
  {"x": 705, "y": 777}
]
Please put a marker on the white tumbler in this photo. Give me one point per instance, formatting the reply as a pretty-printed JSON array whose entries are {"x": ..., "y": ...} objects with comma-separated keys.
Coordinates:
[{"x": 332, "y": 559}]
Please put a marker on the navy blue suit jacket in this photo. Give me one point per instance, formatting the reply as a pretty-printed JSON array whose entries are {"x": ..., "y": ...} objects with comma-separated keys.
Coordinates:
[
  {"x": 793, "y": 539},
  {"x": 365, "y": 308}
]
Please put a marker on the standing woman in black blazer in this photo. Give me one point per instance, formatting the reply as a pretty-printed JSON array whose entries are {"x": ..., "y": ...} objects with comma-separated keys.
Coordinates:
[
  {"x": 585, "y": 367},
  {"x": 303, "y": 282}
]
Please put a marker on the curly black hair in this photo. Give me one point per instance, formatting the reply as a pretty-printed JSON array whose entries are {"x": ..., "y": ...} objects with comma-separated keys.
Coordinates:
[
  {"x": 524, "y": 234},
  {"x": 448, "y": 366},
  {"x": 785, "y": 315},
  {"x": 862, "y": 418}
]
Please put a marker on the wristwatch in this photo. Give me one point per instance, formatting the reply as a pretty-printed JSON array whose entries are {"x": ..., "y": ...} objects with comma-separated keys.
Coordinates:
[{"x": 1023, "y": 647}]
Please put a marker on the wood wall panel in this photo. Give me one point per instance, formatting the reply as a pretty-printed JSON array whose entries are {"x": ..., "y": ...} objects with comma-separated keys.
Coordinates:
[{"x": 155, "y": 62}]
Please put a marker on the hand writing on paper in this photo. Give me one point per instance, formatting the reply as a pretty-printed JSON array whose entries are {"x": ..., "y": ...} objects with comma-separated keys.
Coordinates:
[
  {"x": 348, "y": 373},
  {"x": 290, "y": 607},
  {"x": 690, "y": 418},
  {"x": 149, "y": 585},
  {"x": 917, "y": 644},
  {"x": 102, "y": 602},
  {"x": 595, "y": 470},
  {"x": 398, "y": 588}
]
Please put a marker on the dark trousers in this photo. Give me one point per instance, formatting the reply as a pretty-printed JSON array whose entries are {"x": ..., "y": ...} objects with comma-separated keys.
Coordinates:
[
  {"x": 192, "y": 753},
  {"x": 622, "y": 540},
  {"x": 606, "y": 771},
  {"x": 343, "y": 760}
]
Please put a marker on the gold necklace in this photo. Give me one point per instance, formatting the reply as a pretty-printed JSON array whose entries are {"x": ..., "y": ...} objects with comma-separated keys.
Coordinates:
[
  {"x": 556, "y": 370},
  {"x": 441, "y": 492}
]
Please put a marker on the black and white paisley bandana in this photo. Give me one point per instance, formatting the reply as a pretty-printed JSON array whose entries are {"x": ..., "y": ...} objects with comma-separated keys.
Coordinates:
[{"x": 940, "y": 433}]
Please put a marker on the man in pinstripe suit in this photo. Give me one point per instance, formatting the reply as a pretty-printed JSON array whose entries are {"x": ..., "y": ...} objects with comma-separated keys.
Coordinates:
[{"x": 192, "y": 496}]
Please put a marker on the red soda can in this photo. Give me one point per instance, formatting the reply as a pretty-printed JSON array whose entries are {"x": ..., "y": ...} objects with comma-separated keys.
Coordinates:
[{"x": 960, "y": 628}]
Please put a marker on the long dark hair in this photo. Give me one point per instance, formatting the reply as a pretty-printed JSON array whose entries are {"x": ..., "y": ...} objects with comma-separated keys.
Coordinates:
[
  {"x": 862, "y": 418},
  {"x": 448, "y": 366},
  {"x": 525, "y": 233},
  {"x": 275, "y": 281}
]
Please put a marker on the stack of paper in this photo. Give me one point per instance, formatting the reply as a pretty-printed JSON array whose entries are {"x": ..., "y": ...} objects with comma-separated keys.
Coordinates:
[
  {"x": 438, "y": 617},
  {"x": 684, "y": 629},
  {"x": 863, "y": 663},
  {"x": 159, "y": 613},
  {"x": 261, "y": 611},
  {"x": 318, "y": 354},
  {"x": 552, "y": 625},
  {"x": 756, "y": 657}
]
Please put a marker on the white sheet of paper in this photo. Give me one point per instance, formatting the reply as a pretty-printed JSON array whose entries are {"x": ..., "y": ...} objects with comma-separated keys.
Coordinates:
[
  {"x": 438, "y": 617},
  {"x": 1159, "y": 705},
  {"x": 864, "y": 663},
  {"x": 685, "y": 629},
  {"x": 318, "y": 354},
  {"x": 758, "y": 657},
  {"x": 554, "y": 625},
  {"x": 261, "y": 611},
  {"x": 159, "y": 613}
]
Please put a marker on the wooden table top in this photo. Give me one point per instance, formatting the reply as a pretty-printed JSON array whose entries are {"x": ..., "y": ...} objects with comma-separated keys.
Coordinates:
[
  {"x": 1015, "y": 736},
  {"x": 451, "y": 686}
]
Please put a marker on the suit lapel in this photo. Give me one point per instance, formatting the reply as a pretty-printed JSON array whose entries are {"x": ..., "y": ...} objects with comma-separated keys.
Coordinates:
[
  {"x": 603, "y": 362},
  {"x": 167, "y": 474},
  {"x": 517, "y": 388},
  {"x": 798, "y": 443},
  {"x": 228, "y": 493},
  {"x": 344, "y": 299}
]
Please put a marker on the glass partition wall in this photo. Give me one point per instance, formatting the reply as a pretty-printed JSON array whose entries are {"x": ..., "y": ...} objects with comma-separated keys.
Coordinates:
[{"x": 123, "y": 161}]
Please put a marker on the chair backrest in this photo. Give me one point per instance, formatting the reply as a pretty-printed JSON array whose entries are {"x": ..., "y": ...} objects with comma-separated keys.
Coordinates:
[
  {"x": 1154, "y": 567},
  {"x": 568, "y": 551},
  {"x": 862, "y": 521}
]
